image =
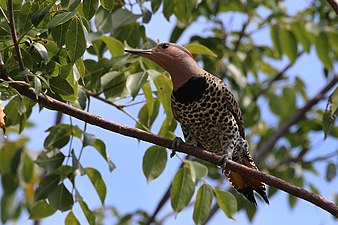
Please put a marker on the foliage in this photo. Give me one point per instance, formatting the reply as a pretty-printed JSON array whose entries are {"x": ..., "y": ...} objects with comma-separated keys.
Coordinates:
[{"x": 73, "y": 51}]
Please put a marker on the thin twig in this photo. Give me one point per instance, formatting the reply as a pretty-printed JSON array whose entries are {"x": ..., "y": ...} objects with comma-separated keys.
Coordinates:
[
  {"x": 241, "y": 34},
  {"x": 15, "y": 38},
  {"x": 119, "y": 107},
  {"x": 277, "y": 77},
  {"x": 205, "y": 155}
]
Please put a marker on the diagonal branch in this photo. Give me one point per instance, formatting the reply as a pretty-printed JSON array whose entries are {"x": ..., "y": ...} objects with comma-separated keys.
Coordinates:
[
  {"x": 334, "y": 5},
  {"x": 95, "y": 120},
  {"x": 298, "y": 115}
]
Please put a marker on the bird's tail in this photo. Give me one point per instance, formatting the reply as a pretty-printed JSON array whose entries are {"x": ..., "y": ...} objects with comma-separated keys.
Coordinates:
[{"x": 247, "y": 186}]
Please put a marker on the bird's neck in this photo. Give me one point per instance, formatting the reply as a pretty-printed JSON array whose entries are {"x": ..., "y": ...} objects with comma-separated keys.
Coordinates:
[{"x": 181, "y": 74}]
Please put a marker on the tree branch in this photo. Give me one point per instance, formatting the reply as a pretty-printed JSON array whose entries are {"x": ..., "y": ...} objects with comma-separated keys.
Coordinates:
[
  {"x": 11, "y": 24},
  {"x": 334, "y": 5},
  {"x": 95, "y": 120},
  {"x": 298, "y": 115}
]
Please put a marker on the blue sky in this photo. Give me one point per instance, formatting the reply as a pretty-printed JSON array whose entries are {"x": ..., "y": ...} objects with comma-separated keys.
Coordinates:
[{"x": 127, "y": 186}]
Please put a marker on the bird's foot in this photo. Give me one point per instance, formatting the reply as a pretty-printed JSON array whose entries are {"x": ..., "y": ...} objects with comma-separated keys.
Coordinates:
[
  {"x": 175, "y": 145},
  {"x": 224, "y": 160}
]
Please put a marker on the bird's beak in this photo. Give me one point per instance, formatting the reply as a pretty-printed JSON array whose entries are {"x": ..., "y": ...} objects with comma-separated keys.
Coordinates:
[{"x": 139, "y": 51}]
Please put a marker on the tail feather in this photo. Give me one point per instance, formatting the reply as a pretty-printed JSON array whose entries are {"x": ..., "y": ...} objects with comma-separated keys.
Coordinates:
[{"x": 247, "y": 186}]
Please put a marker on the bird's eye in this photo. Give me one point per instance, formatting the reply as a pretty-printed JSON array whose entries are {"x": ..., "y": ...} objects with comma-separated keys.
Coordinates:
[{"x": 165, "y": 45}]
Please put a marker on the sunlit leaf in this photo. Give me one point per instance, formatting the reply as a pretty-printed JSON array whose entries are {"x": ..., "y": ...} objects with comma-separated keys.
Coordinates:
[
  {"x": 197, "y": 170},
  {"x": 154, "y": 162},
  {"x": 227, "y": 202},
  {"x": 288, "y": 44},
  {"x": 195, "y": 48},
  {"x": 98, "y": 183},
  {"x": 135, "y": 82},
  {"x": 182, "y": 190},
  {"x": 60, "y": 18},
  {"x": 107, "y": 4},
  {"x": 331, "y": 112},
  {"x": 75, "y": 39},
  {"x": 115, "y": 47},
  {"x": 90, "y": 216},
  {"x": 41, "y": 209},
  {"x": 323, "y": 50},
  {"x": 202, "y": 205}
]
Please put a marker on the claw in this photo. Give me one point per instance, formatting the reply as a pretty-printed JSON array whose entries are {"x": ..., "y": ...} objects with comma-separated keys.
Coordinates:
[
  {"x": 224, "y": 161},
  {"x": 175, "y": 145}
]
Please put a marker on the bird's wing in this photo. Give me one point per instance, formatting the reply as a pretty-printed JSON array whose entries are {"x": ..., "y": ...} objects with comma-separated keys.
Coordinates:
[{"x": 234, "y": 108}]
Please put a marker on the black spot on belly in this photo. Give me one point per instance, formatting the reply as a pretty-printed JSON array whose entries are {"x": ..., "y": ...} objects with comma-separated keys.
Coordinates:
[{"x": 191, "y": 91}]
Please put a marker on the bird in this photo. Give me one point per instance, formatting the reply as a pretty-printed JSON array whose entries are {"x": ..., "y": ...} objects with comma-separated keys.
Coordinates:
[{"x": 209, "y": 115}]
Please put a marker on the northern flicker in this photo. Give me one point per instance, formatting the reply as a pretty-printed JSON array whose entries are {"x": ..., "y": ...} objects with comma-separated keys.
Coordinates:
[{"x": 209, "y": 115}]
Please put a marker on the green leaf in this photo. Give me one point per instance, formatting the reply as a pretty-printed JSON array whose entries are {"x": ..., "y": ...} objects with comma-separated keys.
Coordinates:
[
  {"x": 168, "y": 8},
  {"x": 38, "y": 16},
  {"x": 27, "y": 167},
  {"x": 60, "y": 18},
  {"x": 90, "y": 216},
  {"x": 299, "y": 31},
  {"x": 275, "y": 37},
  {"x": 75, "y": 39},
  {"x": 197, "y": 170},
  {"x": 41, "y": 209},
  {"x": 146, "y": 14},
  {"x": 202, "y": 205},
  {"x": 183, "y": 10},
  {"x": 114, "y": 84},
  {"x": 108, "y": 4},
  {"x": 227, "y": 202},
  {"x": 99, "y": 145},
  {"x": 98, "y": 183},
  {"x": 47, "y": 184},
  {"x": 37, "y": 86},
  {"x": 115, "y": 47},
  {"x": 195, "y": 48},
  {"x": 59, "y": 33},
  {"x": 289, "y": 44},
  {"x": 76, "y": 165},
  {"x": 61, "y": 87},
  {"x": 176, "y": 33},
  {"x": 58, "y": 137},
  {"x": 331, "y": 171},
  {"x": 155, "y": 5},
  {"x": 42, "y": 51},
  {"x": 24, "y": 16},
  {"x": 107, "y": 22},
  {"x": 89, "y": 8},
  {"x": 164, "y": 89},
  {"x": 71, "y": 219},
  {"x": 61, "y": 198},
  {"x": 154, "y": 162},
  {"x": 323, "y": 50},
  {"x": 292, "y": 201},
  {"x": 50, "y": 160},
  {"x": 331, "y": 112},
  {"x": 182, "y": 190},
  {"x": 148, "y": 93},
  {"x": 135, "y": 82}
]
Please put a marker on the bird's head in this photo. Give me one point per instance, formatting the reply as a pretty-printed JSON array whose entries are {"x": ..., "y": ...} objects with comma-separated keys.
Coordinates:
[{"x": 175, "y": 59}]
